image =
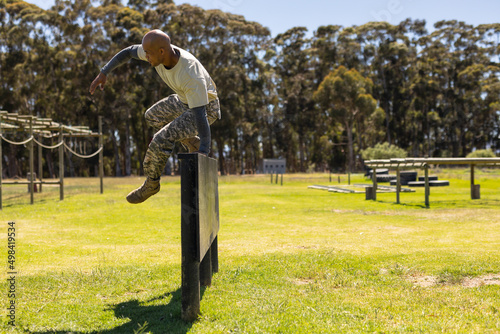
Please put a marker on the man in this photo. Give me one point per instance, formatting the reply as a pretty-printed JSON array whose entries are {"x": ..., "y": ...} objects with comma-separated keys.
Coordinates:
[{"x": 176, "y": 118}]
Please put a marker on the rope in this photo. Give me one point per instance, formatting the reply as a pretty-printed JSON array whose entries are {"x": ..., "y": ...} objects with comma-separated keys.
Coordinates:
[
  {"x": 83, "y": 156},
  {"x": 52, "y": 147},
  {"x": 17, "y": 143},
  {"x": 48, "y": 147}
]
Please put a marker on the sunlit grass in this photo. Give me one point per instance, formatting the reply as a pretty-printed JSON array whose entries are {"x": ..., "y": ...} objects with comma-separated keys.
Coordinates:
[{"x": 292, "y": 259}]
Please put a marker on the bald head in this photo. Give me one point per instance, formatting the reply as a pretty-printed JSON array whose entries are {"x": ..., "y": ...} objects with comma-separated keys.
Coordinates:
[
  {"x": 158, "y": 50},
  {"x": 157, "y": 39}
]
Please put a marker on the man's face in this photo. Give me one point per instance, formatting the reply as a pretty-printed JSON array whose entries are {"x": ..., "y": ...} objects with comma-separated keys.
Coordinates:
[{"x": 154, "y": 55}]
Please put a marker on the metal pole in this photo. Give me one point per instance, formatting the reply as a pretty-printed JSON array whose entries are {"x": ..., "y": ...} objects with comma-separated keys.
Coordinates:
[
  {"x": 32, "y": 188},
  {"x": 374, "y": 179},
  {"x": 61, "y": 165},
  {"x": 101, "y": 155}
]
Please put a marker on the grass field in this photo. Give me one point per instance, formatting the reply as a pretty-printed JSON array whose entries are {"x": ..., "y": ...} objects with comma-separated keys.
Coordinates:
[{"x": 292, "y": 259}]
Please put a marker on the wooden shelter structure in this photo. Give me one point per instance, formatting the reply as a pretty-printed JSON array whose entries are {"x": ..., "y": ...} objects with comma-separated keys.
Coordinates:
[
  {"x": 424, "y": 163},
  {"x": 37, "y": 128}
]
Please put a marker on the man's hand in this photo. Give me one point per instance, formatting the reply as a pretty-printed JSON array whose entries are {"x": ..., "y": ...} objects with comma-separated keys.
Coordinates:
[{"x": 100, "y": 81}]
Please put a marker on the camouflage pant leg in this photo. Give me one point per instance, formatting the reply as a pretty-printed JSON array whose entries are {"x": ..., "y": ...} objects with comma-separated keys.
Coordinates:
[
  {"x": 181, "y": 127},
  {"x": 164, "y": 111}
]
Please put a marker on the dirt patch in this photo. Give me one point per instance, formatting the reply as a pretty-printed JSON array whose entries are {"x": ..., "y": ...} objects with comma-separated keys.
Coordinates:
[
  {"x": 473, "y": 282},
  {"x": 468, "y": 282},
  {"x": 362, "y": 212},
  {"x": 424, "y": 281},
  {"x": 303, "y": 281},
  {"x": 306, "y": 247}
]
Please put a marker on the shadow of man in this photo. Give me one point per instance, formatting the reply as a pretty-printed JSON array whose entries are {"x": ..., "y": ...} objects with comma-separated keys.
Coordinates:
[{"x": 144, "y": 318}]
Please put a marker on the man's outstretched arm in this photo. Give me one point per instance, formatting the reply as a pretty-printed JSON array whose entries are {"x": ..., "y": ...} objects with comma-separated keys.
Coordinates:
[{"x": 120, "y": 58}]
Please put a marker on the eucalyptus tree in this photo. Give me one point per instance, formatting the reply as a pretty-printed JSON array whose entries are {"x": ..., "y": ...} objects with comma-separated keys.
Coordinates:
[
  {"x": 464, "y": 67},
  {"x": 389, "y": 56},
  {"x": 293, "y": 66},
  {"x": 345, "y": 94}
]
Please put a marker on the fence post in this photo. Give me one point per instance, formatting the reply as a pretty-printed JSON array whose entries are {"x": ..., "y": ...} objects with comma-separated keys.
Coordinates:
[
  {"x": 374, "y": 180},
  {"x": 101, "y": 155},
  {"x": 1, "y": 160},
  {"x": 427, "y": 188},
  {"x": 398, "y": 184},
  {"x": 31, "y": 147},
  {"x": 61, "y": 164},
  {"x": 40, "y": 162}
]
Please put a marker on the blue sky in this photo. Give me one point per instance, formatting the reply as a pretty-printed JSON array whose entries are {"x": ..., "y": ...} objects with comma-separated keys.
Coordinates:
[{"x": 282, "y": 15}]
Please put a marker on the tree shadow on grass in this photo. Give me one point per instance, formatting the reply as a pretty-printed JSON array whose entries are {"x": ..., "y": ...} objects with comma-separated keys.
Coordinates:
[{"x": 144, "y": 318}]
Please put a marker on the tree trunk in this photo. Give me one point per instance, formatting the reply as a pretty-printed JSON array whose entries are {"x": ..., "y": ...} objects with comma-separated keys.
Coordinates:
[
  {"x": 386, "y": 106},
  {"x": 118, "y": 171},
  {"x": 69, "y": 164},
  {"x": 220, "y": 148},
  {"x": 127, "y": 153},
  {"x": 350, "y": 143},
  {"x": 301, "y": 154},
  {"x": 50, "y": 164},
  {"x": 12, "y": 164}
]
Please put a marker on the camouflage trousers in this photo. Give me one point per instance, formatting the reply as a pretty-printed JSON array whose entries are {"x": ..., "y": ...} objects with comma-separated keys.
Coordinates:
[{"x": 172, "y": 121}]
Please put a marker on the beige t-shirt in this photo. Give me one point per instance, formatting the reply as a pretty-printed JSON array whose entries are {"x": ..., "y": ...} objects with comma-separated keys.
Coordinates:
[{"x": 188, "y": 78}]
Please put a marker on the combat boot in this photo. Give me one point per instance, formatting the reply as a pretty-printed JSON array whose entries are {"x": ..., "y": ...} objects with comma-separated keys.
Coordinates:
[{"x": 148, "y": 189}]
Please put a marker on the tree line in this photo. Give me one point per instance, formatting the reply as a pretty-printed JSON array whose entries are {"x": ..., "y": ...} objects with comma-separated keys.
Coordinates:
[{"x": 317, "y": 100}]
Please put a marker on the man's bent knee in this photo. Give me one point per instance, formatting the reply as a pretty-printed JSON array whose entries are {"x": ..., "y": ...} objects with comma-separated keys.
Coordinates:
[
  {"x": 156, "y": 156},
  {"x": 150, "y": 118}
]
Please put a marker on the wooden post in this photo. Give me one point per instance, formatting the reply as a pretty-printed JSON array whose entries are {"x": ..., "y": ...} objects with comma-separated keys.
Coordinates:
[
  {"x": 101, "y": 155},
  {"x": 190, "y": 295},
  {"x": 199, "y": 228},
  {"x": 368, "y": 193},
  {"x": 398, "y": 184},
  {"x": 427, "y": 188},
  {"x": 40, "y": 165},
  {"x": 214, "y": 251},
  {"x": 31, "y": 147},
  {"x": 374, "y": 179},
  {"x": 471, "y": 177},
  {"x": 475, "y": 192},
  {"x": 281, "y": 178},
  {"x": 61, "y": 164},
  {"x": 1, "y": 162},
  {"x": 206, "y": 269}
]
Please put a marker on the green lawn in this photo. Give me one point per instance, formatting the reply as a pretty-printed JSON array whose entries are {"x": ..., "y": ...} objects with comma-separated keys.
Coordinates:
[{"x": 292, "y": 259}]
